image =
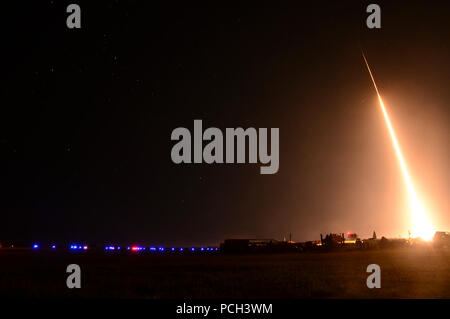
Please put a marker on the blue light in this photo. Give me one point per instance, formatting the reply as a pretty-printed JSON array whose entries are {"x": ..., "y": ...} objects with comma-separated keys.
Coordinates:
[
  {"x": 181, "y": 249},
  {"x": 35, "y": 246},
  {"x": 173, "y": 249},
  {"x": 201, "y": 249},
  {"x": 53, "y": 246},
  {"x": 217, "y": 248},
  {"x": 128, "y": 248},
  {"x": 152, "y": 248},
  {"x": 192, "y": 248},
  {"x": 207, "y": 248}
]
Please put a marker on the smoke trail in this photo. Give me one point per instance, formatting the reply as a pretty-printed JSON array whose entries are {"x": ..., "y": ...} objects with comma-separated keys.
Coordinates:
[{"x": 421, "y": 223}]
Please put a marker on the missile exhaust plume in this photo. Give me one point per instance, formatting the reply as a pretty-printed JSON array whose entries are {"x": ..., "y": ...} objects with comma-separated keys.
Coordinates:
[{"x": 421, "y": 224}]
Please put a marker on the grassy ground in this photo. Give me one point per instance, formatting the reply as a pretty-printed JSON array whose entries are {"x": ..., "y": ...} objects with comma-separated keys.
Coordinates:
[{"x": 405, "y": 273}]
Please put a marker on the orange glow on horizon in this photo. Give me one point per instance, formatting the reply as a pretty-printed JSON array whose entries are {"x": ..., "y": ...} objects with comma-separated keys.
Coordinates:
[{"x": 422, "y": 226}]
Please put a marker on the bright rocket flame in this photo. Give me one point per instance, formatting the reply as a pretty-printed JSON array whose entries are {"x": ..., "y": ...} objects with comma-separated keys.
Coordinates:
[{"x": 421, "y": 224}]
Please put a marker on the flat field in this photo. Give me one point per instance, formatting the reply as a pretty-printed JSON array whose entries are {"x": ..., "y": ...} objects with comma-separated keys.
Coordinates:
[{"x": 405, "y": 273}]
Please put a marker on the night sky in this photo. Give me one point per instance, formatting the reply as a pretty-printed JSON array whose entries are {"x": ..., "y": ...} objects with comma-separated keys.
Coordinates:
[{"x": 87, "y": 114}]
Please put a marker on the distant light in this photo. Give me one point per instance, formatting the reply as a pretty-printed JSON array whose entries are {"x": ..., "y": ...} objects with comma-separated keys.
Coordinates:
[
  {"x": 173, "y": 249},
  {"x": 181, "y": 249},
  {"x": 128, "y": 248},
  {"x": 207, "y": 248},
  {"x": 53, "y": 246},
  {"x": 192, "y": 248},
  {"x": 118, "y": 248},
  {"x": 134, "y": 248},
  {"x": 202, "y": 249},
  {"x": 217, "y": 248},
  {"x": 85, "y": 247},
  {"x": 153, "y": 248},
  {"x": 35, "y": 246}
]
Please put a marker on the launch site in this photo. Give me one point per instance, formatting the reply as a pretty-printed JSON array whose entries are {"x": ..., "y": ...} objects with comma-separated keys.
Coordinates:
[{"x": 333, "y": 267}]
